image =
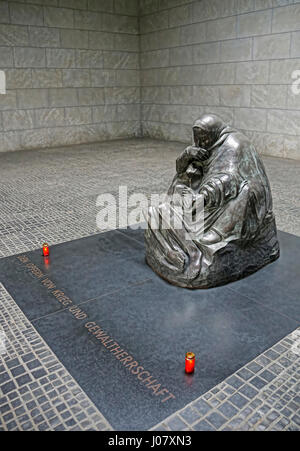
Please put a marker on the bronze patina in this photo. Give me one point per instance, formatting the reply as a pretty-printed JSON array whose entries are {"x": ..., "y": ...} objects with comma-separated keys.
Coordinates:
[{"x": 222, "y": 174}]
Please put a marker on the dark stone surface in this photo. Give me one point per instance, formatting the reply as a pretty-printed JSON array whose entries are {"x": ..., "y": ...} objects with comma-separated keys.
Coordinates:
[
  {"x": 221, "y": 176},
  {"x": 157, "y": 325},
  {"x": 83, "y": 269},
  {"x": 154, "y": 322},
  {"x": 277, "y": 286}
]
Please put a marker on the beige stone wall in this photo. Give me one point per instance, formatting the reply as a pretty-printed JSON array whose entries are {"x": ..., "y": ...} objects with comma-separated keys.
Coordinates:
[
  {"x": 232, "y": 57},
  {"x": 72, "y": 72}
]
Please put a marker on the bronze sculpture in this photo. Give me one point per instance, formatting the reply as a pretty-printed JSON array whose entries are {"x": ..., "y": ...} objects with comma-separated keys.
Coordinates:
[{"x": 223, "y": 174}]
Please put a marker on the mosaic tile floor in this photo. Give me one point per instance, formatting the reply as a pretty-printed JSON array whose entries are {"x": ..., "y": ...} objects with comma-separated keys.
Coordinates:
[
  {"x": 36, "y": 391},
  {"x": 51, "y": 195},
  {"x": 264, "y": 395}
]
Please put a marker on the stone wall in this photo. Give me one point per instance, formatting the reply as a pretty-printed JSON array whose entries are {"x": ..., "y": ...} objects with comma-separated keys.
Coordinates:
[
  {"x": 72, "y": 72},
  {"x": 232, "y": 57}
]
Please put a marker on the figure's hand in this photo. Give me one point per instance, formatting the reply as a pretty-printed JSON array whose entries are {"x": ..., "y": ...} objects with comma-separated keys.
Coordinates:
[
  {"x": 211, "y": 200},
  {"x": 189, "y": 155}
]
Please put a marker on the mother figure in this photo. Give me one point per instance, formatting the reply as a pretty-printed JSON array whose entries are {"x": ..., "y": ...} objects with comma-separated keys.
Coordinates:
[{"x": 221, "y": 175}]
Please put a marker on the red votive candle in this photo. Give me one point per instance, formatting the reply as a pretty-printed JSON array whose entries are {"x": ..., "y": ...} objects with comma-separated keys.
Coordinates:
[
  {"x": 189, "y": 362},
  {"x": 46, "y": 250}
]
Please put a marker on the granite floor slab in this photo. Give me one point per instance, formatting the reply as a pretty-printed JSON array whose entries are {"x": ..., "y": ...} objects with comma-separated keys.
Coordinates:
[
  {"x": 154, "y": 324},
  {"x": 81, "y": 269},
  {"x": 122, "y": 332},
  {"x": 277, "y": 286}
]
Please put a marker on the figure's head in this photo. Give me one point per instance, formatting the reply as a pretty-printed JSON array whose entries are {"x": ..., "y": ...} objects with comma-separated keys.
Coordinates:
[{"x": 207, "y": 130}]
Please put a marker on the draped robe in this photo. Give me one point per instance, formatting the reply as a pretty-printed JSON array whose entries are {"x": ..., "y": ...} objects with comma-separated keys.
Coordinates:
[{"x": 238, "y": 235}]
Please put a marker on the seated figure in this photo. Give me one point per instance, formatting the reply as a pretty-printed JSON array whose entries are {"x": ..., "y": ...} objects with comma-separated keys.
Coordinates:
[{"x": 223, "y": 176}]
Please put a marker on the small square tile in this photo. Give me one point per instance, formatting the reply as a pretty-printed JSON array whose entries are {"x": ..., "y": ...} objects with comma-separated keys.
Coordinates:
[
  {"x": 27, "y": 357},
  {"x": 234, "y": 382},
  {"x": 202, "y": 406},
  {"x": 13, "y": 363},
  {"x": 18, "y": 370},
  {"x": 176, "y": 424},
  {"x": 20, "y": 411},
  {"x": 273, "y": 415},
  {"x": 189, "y": 415},
  {"x": 214, "y": 402},
  {"x": 296, "y": 419},
  {"x": 263, "y": 360},
  {"x": 23, "y": 380},
  {"x": 254, "y": 367},
  {"x": 245, "y": 374},
  {"x": 271, "y": 354},
  {"x": 235, "y": 423},
  {"x": 229, "y": 390},
  {"x": 248, "y": 391},
  {"x": 11, "y": 426},
  {"x": 267, "y": 375},
  {"x": 7, "y": 417},
  {"x": 38, "y": 373},
  {"x": 4, "y": 408},
  {"x": 258, "y": 382},
  {"x": 33, "y": 364},
  {"x": 228, "y": 410},
  {"x": 203, "y": 425},
  {"x": 238, "y": 400},
  {"x": 8, "y": 387},
  {"x": 4, "y": 377},
  {"x": 286, "y": 412},
  {"x": 284, "y": 362},
  {"x": 216, "y": 419}
]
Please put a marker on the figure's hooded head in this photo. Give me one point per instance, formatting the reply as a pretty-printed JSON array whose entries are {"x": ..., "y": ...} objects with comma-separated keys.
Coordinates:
[{"x": 207, "y": 130}]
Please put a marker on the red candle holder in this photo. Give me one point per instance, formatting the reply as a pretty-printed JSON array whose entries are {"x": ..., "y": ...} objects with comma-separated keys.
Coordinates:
[
  {"x": 46, "y": 251},
  {"x": 190, "y": 362}
]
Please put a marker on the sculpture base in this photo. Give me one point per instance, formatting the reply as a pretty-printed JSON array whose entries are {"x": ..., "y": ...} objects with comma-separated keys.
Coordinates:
[{"x": 238, "y": 259}]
